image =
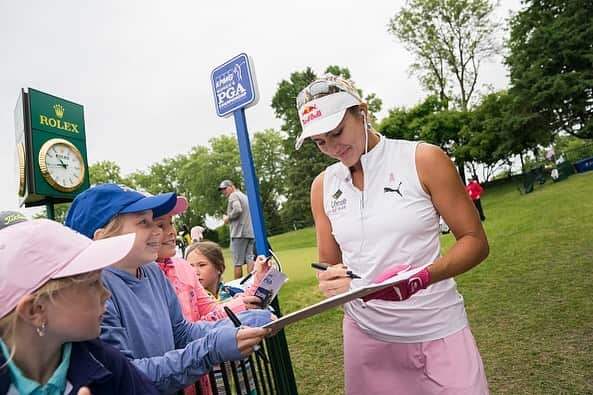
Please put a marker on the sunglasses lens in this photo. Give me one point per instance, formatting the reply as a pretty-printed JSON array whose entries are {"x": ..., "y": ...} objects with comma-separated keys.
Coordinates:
[
  {"x": 316, "y": 89},
  {"x": 301, "y": 97},
  {"x": 319, "y": 88}
]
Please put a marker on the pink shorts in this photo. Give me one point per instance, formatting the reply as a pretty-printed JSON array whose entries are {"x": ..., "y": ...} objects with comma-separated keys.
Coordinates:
[{"x": 447, "y": 366}]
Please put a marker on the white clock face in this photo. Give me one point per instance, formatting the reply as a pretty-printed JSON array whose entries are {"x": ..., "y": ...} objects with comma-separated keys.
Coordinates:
[{"x": 64, "y": 168}]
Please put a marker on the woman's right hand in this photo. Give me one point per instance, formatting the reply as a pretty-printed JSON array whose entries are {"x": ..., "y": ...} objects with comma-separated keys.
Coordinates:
[
  {"x": 334, "y": 280},
  {"x": 247, "y": 338}
]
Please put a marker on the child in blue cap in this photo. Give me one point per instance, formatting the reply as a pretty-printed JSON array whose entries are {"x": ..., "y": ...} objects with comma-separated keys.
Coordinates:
[{"x": 143, "y": 318}]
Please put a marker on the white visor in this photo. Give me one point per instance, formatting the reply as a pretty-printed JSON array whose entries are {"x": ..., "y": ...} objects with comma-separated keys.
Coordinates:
[{"x": 324, "y": 114}]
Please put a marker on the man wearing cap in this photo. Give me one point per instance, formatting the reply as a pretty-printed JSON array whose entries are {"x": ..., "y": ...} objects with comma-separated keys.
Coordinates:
[{"x": 238, "y": 218}]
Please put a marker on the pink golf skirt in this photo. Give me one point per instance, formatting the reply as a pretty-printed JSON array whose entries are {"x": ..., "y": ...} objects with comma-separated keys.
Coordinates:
[{"x": 447, "y": 366}]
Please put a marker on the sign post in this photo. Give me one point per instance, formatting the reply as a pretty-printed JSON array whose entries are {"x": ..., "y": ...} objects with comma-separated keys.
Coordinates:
[{"x": 235, "y": 89}]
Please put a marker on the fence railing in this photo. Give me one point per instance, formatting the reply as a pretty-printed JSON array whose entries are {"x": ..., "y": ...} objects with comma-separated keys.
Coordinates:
[
  {"x": 247, "y": 377},
  {"x": 253, "y": 375},
  {"x": 582, "y": 152}
]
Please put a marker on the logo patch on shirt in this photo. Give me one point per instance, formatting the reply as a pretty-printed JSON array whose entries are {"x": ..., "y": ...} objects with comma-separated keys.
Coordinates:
[
  {"x": 392, "y": 188},
  {"x": 337, "y": 204},
  {"x": 337, "y": 194}
]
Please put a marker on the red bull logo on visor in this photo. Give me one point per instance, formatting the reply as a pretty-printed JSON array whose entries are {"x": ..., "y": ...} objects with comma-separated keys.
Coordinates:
[{"x": 309, "y": 113}]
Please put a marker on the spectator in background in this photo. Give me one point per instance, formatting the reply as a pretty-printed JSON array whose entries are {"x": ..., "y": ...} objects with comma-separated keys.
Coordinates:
[
  {"x": 239, "y": 220},
  {"x": 207, "y": 260},
  {"x": 475, "y": 191},
  {"x": 197, "y": 234}
]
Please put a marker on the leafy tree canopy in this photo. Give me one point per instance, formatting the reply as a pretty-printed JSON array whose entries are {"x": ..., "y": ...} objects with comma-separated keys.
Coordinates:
[
  {"x": 551, "y": 64},
  {"x": 450, "y": 39}
]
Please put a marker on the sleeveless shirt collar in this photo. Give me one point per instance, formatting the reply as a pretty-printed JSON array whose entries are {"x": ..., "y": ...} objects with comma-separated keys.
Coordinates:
[{"x": 369, "y": 161}]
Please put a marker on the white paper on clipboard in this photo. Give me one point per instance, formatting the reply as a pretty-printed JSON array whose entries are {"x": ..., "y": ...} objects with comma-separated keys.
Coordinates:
[{"x": 338, "y": 300}]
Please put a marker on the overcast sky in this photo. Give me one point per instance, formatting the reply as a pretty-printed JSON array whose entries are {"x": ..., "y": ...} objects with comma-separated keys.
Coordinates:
[{"x": 142, "y": 68}]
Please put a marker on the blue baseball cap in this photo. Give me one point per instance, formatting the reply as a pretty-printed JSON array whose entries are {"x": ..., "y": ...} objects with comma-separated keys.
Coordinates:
[{"x": 95, "y": 207}]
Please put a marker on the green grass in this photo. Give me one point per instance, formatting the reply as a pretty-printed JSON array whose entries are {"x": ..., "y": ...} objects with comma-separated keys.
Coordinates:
[{"x": 529, "y": 304}]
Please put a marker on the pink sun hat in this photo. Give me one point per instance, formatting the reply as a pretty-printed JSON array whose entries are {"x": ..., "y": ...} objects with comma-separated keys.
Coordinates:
[{"x": 34, "y": 252}]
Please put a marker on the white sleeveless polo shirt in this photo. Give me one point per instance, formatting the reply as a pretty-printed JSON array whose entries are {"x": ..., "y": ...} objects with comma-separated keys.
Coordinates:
[{"x": 393, "y": 221}]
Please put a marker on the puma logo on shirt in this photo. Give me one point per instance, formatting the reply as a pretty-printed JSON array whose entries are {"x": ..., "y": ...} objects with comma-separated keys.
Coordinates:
[{"x": 396, "y": 190}]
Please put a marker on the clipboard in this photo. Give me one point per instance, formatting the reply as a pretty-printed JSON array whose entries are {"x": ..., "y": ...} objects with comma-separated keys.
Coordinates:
[{"x": 340, "y": 299}]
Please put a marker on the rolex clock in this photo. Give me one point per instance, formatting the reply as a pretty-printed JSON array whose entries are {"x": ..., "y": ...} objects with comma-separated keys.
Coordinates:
[
  {"x": 20, "y": 151},
  {"x": 61, "y": 165}
]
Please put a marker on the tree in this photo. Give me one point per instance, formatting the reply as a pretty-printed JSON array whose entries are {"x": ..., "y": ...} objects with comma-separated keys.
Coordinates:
[
  {"x": 160, "y": 178},
  {"x": 499, "y": 130},
  {"x": 199, "y": 173},
  {"x": 104, "y": 172},
  {"x": 302, "y": 165},
  {"x": 450, "y": 39},
  {"x": 402, "y": 123},
  {"x": 569, "y": 143},
  {"x": 551, "y": 64},
  {"x": 196, "y": 176},
  {"x": 489, "y": 136},
  {"x": 269, "y": 160},
  {"x": 60, "y": 211},
  {"x": 430, "y": 122}
]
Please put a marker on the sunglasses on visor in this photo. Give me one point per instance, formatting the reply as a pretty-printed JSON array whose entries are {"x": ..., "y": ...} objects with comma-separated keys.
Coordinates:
[{"x": 322, "y": 88}]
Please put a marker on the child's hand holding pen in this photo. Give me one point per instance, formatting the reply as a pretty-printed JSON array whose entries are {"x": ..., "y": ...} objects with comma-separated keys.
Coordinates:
[
  {"x": 248, "y": 339},
  {"x": 260, "y": 268},
  {"x": 334, "y": 279}
]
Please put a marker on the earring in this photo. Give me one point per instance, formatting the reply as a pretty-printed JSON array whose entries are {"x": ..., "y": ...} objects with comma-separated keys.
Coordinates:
[{"x": 41, "y": 329}]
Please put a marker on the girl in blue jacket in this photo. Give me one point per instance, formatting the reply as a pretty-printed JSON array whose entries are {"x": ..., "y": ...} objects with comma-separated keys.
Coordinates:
[
  {"x": 51, "y": 305},
  {"x": 143, "y": 318}
]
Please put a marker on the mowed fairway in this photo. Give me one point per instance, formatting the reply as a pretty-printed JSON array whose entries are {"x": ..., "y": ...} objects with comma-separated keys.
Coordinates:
[{"x": 530, "y": 304}]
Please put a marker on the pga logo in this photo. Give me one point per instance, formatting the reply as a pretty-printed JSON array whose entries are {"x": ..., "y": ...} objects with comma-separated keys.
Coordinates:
[{"x": 231, "y": 92}]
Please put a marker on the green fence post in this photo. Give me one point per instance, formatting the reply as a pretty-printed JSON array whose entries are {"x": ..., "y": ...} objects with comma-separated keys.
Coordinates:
[{"x": 280, "y": 359}]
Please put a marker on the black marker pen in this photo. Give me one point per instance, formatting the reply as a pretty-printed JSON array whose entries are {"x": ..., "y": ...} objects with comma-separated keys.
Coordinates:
[{"x": 321, "y": 266}]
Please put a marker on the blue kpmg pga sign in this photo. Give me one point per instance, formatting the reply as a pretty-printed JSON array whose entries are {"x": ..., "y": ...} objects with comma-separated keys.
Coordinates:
[{"x": 234, "y": 85}]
